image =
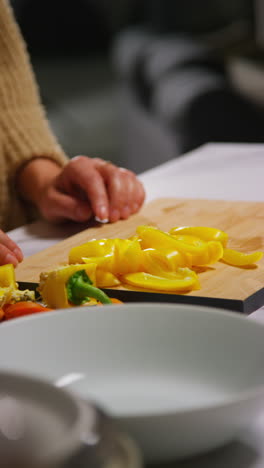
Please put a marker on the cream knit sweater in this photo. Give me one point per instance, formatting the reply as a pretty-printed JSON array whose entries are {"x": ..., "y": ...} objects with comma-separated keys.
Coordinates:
[{"x": 24, "y": 130}]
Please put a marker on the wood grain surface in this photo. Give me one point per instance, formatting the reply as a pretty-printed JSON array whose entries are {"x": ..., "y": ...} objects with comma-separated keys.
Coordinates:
[{"x": 243, "y": 221}]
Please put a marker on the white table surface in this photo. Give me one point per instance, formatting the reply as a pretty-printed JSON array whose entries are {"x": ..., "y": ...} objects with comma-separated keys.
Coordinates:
[{"x": 214, "y": 171}]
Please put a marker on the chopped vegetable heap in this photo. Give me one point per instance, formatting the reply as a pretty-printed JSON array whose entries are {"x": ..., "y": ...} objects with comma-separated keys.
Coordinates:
[
  {"x": 14, "y": 302},
  {"x": 9, "y": 292}
]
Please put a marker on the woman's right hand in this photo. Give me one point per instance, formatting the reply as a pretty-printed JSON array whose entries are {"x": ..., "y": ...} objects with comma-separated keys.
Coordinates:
[{"x": 9, "y": 250}]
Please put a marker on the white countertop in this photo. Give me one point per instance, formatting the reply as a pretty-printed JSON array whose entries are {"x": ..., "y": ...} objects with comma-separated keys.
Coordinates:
[{"x": 214, "y": 171}]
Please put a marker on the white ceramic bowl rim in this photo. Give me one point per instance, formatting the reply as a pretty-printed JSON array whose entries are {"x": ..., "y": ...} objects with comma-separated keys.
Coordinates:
[{"x": 241, "y": 396}]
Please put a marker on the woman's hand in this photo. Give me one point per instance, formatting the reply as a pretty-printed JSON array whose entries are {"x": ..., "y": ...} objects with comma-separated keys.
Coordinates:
[
  {"x": 9, "y": 251},
  {"x": 84, "y": 188}
]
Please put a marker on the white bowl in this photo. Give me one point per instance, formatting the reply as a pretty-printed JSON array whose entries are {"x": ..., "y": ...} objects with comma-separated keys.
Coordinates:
[
  {"x": 180, "y": 379},
  {"x": 46, "y": 422}
]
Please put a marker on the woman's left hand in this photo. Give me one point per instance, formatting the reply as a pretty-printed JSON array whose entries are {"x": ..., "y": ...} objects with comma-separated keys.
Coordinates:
[{"x": 84, "y": 188}]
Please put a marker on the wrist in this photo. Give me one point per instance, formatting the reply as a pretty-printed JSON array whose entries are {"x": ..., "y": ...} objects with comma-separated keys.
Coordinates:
[{"x": 35, "y": 176}]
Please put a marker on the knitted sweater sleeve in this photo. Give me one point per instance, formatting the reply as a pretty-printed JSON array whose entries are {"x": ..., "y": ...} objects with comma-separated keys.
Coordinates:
[
  {"x": 24, "y": 129},
  {"x": 22, "y": 118}
]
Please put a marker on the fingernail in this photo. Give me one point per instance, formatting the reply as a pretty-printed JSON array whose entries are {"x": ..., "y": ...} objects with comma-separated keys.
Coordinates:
[
  {"x": 135, "y": 207},
  {"x": 103, "y": 221},
  {"x": 76, "y": 157},
  {"x": 102, "y": 213},
  {"x": 9, "y": 258},
  {"x": 18, "y": 253}
]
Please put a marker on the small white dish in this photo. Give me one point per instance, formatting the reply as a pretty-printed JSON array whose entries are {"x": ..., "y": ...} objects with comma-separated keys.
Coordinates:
[
  {"x": 180, "y": 379},
  {"x": 44, "y": 422}
]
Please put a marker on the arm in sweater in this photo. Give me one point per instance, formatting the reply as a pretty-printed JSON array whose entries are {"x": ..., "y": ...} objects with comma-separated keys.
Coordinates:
[
  {"x": 34, "y": 168},
  {"x": 24, "y": 130},
  {"x": 24, "y": 125}
]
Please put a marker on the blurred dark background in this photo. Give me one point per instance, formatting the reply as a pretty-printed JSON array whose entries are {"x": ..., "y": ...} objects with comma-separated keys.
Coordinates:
[
  {"x": 140, "y": 82},
  {"x": 69, "y": 44}
]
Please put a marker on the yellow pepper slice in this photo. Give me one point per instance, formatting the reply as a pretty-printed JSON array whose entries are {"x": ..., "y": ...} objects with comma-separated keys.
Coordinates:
[
  {"x": 213, "y": 254},
  {"x": 7, "y": 276},
  {"x": 152, "y": 237},
  {"x": 235, "y": 258},
  {"x": 157, "y": 262},
  {"x": 202, "y": 232},
  {"x": 125, "y": 257},
  {"x": 177, "y": 259},
  {"x": 105, "y": 262},
  {"x": 117, "y": 256},
  {"x": 201, "y": 252},
  {"x": 184, "y": 280},
  {"x": 188, "y": 239},
  {"x": 128, "y": 256},
  {"x": 105, "y": 279},
  {"x": 93, "y": 248}
]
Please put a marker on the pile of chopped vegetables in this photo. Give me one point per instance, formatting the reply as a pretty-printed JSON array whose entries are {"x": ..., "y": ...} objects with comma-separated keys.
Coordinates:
[
  {"x": 14, "y": 302},
  {"x": 78, "y": 290},
  {"x": 151, "y": 260}
]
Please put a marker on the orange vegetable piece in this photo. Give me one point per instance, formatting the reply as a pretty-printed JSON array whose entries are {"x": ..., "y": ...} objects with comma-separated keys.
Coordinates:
[
  {"x": 19, "y": 309},
  {"x": 114, "y": 300}
]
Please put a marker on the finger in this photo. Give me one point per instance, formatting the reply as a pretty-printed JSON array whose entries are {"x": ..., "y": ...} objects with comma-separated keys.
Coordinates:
[
  {"x": 124, "y": 190},
  {"x": 117, "y": 192},
  {"x": 82, "y": 172},
  {"x": 7, "y": 256},
  {"x": 96, "y": 192},
  {"x": 60, "y": 207},
  {"x": 135, "y": 191},
  {"x": 125, "y": 195},
  {"x": 11, "y": 246},
  {"x": 139, "y": 195}
]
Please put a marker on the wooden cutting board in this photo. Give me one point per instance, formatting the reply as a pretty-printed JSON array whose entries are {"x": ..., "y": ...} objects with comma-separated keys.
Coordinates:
[{"x": 235, "y": 288}]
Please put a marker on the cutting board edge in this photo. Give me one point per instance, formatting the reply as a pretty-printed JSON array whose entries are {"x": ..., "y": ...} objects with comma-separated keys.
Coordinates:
[{"x": 247, "y": 306}]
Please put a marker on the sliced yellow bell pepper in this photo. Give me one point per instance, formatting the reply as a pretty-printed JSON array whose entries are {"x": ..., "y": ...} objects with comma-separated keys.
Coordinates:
[
  {"x": 184, "y": 280},
  {"x": 128, "y": 256},
  {"x": 7, "y": 276},
  {"x": 134, "y": 237},
  {"x": 152, "y": 237},
  {"x": 154, "y": 259},
  {"x": 125, "y": 256},
  {"x": 105, "y": 279},
  {"x": 177, "y": 259},
  {"x": 52, "y": 285},
  {"x": 201, "y": 252},
  {"x": 188, "y": 239},
  {"x": 213, "y": 253},
  {"x": 157, "y": 262},
  {"x": 93, "y": 248},
  {"x": 235, "y": 258},
  {"x": 204, "y": 233},
  {"x": 106, "y": 262}
]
